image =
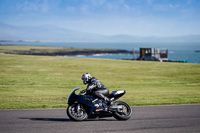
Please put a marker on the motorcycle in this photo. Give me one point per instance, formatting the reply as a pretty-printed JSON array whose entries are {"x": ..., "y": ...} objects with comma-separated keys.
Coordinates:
[{"x": 81, "y": 107}]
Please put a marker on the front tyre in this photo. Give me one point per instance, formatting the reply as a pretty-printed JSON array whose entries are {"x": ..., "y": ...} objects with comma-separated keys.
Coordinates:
[
  {"x": 124, "y": 113},
  {"x": 76, "y": 112}
]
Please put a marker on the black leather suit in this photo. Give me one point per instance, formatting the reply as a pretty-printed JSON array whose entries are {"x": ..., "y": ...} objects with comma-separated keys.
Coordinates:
[{"x": 97, "y": 89}]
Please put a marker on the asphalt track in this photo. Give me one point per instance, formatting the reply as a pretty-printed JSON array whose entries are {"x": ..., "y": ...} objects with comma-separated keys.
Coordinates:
[{"x": 145, "y": 119}]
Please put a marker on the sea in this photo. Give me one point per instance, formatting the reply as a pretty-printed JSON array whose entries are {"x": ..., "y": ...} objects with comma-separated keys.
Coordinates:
[{"x": 176, "y": 50}]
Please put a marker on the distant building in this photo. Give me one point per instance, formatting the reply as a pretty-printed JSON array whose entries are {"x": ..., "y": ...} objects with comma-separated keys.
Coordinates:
[{"x": 153, "y": 54}]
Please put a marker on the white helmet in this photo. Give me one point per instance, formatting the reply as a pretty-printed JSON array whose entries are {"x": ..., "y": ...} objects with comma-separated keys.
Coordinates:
[{"x": 86, "y": 77}]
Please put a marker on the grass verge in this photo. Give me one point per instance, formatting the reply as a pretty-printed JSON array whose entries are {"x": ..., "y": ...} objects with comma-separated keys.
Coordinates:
[{"x": 45, "y": 82}]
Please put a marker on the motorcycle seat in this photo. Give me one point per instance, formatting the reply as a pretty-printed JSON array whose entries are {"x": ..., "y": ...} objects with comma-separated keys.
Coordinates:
[{"x": 116, "y": 94}]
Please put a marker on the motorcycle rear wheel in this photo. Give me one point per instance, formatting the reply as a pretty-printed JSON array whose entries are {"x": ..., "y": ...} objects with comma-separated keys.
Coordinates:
[
  {"x": 123, "y": 114},
  {"x": 76, "y": 115}
]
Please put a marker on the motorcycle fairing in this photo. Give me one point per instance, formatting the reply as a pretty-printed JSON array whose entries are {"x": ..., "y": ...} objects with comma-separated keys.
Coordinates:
[{"x": 82, "y": 99}]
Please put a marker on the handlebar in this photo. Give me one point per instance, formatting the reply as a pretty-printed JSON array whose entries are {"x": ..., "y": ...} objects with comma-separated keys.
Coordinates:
[{"x": 83, "y": 91}]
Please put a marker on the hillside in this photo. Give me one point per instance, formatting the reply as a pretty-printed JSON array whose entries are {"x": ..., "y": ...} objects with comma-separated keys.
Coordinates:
[
  {"x": 52, "y": 33},
  {"x": 56, "y": 51}
]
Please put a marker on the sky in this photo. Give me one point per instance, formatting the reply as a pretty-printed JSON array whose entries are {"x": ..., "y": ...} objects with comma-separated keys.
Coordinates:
[{"x": 107, "y": 17}]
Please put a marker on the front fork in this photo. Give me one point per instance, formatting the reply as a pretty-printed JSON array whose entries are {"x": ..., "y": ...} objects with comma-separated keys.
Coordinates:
[{"x": 78, "y": 107}]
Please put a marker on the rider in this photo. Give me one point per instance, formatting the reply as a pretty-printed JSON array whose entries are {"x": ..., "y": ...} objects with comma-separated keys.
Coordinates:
[{"x": 95, "y": 87}]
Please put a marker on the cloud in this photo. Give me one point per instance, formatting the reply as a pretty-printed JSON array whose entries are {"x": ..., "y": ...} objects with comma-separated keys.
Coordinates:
[
  {"x": 174, "y": 6},
  {"x": 189, "y": 1},
  {"x": 28, "y": 6},
  {"x": 150, "y": 2},
  {"x": 85, "y": 9},
  {"x": 33, "y": 6},
  {"x": 96, "y": 2},
  {"x": 70, "y": 9}
]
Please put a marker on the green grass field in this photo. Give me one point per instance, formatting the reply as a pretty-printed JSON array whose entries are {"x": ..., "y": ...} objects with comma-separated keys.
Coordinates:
[{"x": 46, "y": 82}]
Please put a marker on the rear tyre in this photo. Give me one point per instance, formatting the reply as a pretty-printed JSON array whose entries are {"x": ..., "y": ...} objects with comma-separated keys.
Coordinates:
[
  {"x": 76, "y": 112},
  {"x": 124, "y": 113}
]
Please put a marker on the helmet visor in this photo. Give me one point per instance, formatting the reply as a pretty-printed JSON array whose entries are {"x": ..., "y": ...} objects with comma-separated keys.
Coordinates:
[{"x": 84, "y": 81}]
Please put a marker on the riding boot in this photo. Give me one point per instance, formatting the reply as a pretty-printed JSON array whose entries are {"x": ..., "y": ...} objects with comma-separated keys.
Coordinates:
[{"x": 106, "y": 99}]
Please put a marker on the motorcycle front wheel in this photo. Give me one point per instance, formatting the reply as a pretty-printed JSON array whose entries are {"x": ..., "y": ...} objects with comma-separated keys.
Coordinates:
[
  {"x": 76, "y": 112},
  {"x": 124, "y": 113}
]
